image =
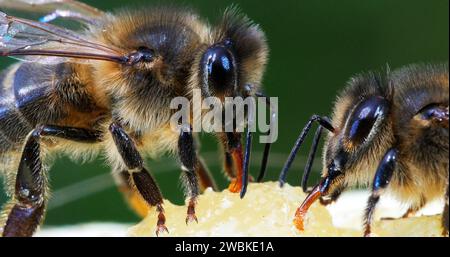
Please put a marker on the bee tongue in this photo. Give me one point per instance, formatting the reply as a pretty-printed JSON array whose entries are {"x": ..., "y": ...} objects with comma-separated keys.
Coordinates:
[{"x": 303, "y": 209}]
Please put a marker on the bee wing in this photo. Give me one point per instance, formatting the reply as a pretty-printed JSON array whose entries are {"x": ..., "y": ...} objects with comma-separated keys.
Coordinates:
[
  {"x": 46, "y": 43},
  {"x": 57, "y": 9}
]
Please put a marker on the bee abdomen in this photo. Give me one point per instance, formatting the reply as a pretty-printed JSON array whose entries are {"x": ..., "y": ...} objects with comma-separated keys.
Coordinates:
[
  {"x": 24, "y": 102},
  {"x": 13, "y": 128}
]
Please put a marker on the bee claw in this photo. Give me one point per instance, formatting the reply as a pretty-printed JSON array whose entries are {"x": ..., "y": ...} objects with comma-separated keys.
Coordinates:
[
  {"x": 191, "y": 212},
  {"x": 161, "y": 229},
  {"x": 191, "y": 218}
]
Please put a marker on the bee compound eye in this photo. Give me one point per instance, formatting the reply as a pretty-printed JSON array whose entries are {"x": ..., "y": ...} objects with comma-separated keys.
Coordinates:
[
  {"x": 433, "y": 111},
  {"x": 364, "y": 116},
  {"x": 219, "y": 69}
]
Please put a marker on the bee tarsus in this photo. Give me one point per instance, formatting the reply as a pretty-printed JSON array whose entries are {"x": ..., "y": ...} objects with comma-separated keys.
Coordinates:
[
  {"x": 445, "y": 218},
  {"x": 188, "y": 158},
  {"x": 145, "y": 184}
]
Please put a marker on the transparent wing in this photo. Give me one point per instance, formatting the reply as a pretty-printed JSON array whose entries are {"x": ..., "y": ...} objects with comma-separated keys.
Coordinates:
[
  {"x": 46, "y": 43},
  {"x": 53, "y": 9}
]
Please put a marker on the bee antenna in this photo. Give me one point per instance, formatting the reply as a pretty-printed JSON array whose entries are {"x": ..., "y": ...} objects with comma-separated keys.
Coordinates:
[
  {"x": 248, "y": 143},
  {"x": 265, "y": 158},
  {"x": 309, "y": 162},
  {"x": 323, "y": 122},
  {"x": 248, "y": 147},
  {"x": 262, "y": 171}
]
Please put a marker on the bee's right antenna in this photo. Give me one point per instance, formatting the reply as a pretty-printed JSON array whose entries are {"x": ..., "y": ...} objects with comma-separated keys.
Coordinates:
[
  {"x": 265, "y": 158},
  {"x": 249, "y": 142},
  {"x": 309, "y": 162},
  {"x": 323, "y": 122},
  {"x": 262, "y": 171}
]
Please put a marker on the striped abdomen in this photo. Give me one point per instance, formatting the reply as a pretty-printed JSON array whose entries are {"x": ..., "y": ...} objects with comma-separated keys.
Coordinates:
[{"x": 32, "y": 94}]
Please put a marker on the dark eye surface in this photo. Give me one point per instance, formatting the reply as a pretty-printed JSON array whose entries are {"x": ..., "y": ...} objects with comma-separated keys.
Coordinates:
[
  {"x": 433, "y": 111},
  {"x": 364, "y": 117},
  {"x": 219, "y": 69}
]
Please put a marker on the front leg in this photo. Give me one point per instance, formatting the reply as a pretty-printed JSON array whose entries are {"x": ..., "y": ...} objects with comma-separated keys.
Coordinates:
[
  {"x": 143, "y": 181},
  {"x": 227, "y": 142},
  {"x": 204, "y": 175},
  {"x": 381, "y": 180},
  {"x": 445, "y": 219},
  {"x": 189, "y": 162}
]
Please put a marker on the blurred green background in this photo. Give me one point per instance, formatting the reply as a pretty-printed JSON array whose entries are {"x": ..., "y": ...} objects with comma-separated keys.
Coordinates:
[{"x": 315, "y": 47}]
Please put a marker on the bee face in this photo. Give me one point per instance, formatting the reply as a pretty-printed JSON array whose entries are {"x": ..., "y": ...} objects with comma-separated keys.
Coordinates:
[
  {"x": 388, "y": 132},
  {"x": 174, "y": 52},
  {"x": 180, "y": 52},
  {"x": 236, "y": 57},
  {"x": 361, "y": 137}
]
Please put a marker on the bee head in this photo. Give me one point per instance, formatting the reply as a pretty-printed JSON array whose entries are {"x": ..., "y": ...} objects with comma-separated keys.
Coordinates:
[
  {"x": 356, "y": 145},
  {"x": 235, "y": 58}
]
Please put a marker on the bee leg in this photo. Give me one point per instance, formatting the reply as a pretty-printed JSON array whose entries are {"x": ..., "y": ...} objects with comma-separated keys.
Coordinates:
[
  {"x": 126, "y": 186},
  {"x": 205, "y": 178},
  {"x": 228, "y": 159},
  {"x": 188, "y": 158},
  {"x": 25, "y": 216},
  {"x": 381, "y": 180},
  {"x": 148, "y": 189},
  {"x": 142, "y": 180},
  {"x": 445, "y": 217},
  {"x": 414, "y": 209},
  {"x": 409, "y": 213},
  {"x": 228, "y": 165}
]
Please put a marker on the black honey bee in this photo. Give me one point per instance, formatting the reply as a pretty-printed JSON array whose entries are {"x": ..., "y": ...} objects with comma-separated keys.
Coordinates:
[
  {"x": 107, "y": 88},
  {"x": 390, "y": 132}
]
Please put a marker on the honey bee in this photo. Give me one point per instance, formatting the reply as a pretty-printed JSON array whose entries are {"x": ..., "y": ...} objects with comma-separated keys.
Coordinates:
[
  {"x": 106, "y": 90},
  {"x": 388, "y": 131}
]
